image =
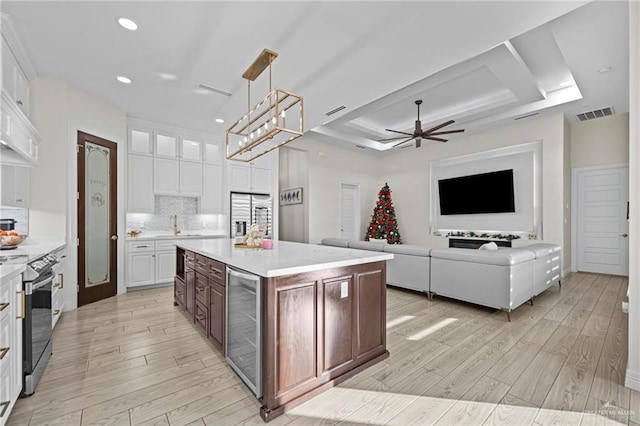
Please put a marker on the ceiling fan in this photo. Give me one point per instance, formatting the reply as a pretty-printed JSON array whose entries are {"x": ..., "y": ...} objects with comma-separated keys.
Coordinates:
[{"x": 418, "y": 134}]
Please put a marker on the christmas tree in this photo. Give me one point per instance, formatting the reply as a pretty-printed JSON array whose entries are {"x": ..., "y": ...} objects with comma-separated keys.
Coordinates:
[{"x": 383, "y": 220}]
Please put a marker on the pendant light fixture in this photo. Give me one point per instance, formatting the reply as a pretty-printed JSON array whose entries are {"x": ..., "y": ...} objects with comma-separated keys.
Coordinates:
[{"x": 275, "y": 120}]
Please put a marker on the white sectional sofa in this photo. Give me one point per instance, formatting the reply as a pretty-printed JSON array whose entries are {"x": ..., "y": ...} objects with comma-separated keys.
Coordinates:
[{"x": 502, "y": 279}]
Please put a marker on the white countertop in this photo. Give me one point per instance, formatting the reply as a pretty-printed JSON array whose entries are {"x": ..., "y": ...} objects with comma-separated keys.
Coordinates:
[
  {"x": 168, "y": 235},
  {"x": 35, "y": 247},
  {"x": 7, "y": 272},
  {"x": 285, "y": 258}
]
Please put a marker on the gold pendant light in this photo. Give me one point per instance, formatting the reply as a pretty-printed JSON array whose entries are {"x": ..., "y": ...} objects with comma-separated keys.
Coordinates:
[{"x": 275, "y": 120}]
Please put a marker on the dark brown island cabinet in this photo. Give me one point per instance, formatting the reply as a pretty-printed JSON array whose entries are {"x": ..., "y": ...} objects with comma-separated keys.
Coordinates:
[{"x": 318, "y": 328}]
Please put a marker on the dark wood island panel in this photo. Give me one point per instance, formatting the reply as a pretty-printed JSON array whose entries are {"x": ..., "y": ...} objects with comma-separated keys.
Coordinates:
[{"x": 320, "y": 328}]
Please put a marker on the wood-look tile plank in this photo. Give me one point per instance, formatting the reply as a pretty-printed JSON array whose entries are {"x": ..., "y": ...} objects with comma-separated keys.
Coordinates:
[
  {"x": 381, "y": 409},
  {"x": 596, "y": 326},
  {"x": 477, "y": 404},
  {"x": 120, "y": 419},
  {"x": 514, "y": 362},
  {"x": 541, "y": 331},
  {"x": 234, "y": 413},
  {"x": 70, "y": 419},
  {"x": 536, "y": 380},
  {"x": 346, "y": 403},
  {"x": 423, "y": 410},
  {"x": 561, "y": 341},
  {"x": 634, "y": 406},
  {"x": 557, "y": 417},
  {"x": 570, "y": 390},
  {"x": 585, "y": 353},
  {"x": 605, "y": 412},
  {"x": 608, "y": 384},
  {"x": 512, "y": 411}
]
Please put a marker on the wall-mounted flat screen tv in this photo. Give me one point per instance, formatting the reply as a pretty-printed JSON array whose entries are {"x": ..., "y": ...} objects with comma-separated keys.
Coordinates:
[{"x": 476, "y": 194}]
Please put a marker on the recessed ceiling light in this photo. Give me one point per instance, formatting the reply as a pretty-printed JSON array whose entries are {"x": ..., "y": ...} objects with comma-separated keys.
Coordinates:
[
  {"x": 127, "y": 23},
  {"x": 604, "y": 70},
  {"x": 123, "y": 79},
  {"x": 166, "y": 76},
  {"x": 219, "y": 120}
]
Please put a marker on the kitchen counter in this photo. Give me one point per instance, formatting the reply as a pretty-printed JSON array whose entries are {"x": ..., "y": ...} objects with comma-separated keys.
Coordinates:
[
  {"x": 286, "y": 258},
  {"x": 7, "y": 272},
  {"x": 34, "y": 247},
  {"x": 169, "y": 235}
]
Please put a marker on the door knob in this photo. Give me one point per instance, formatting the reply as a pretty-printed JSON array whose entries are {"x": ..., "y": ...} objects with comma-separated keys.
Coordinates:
[
  {"x": 114, "y": 237},
  {"x": 624, "y": 235}
]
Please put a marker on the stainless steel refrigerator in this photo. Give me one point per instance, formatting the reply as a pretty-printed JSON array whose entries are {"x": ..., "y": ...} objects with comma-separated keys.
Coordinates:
[{"x": 249, "y": 209}]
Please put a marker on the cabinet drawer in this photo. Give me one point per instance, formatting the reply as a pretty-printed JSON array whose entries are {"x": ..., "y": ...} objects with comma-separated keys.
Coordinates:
[
  {"x": 5, "y": 341},
  {"x": 202, "y": 265},
  {"x": 202, "y": 289},
  {"x": 202, "y": 317},
  {"x": 190, "y": 259},
  {"x": 216, "y": 271},
  {"x": 179, "y": 292},
  {"x": 140, "y": 246},
  {"x": 165, "y": 245}
]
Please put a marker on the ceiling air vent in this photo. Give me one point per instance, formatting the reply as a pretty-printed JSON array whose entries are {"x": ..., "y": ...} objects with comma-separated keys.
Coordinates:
[
  {"x": 526, "y": 116},
  {"x": 596, "y": 113},
  {"x": 333, "y": 111},
  {"x": 361, "y": 147},
  {"x": 213, "y": 89}
]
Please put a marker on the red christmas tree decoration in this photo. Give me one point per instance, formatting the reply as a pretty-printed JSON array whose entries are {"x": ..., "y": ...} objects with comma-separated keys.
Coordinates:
[{"x": 383, "y": 223}]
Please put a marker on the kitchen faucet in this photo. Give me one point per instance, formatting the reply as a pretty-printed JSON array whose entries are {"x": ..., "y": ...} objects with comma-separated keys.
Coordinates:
[{"x": 176, "y": 230}]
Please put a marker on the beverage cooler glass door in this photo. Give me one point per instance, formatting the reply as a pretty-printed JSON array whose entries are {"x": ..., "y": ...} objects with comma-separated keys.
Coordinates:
[{"x": 244, "y": 328}]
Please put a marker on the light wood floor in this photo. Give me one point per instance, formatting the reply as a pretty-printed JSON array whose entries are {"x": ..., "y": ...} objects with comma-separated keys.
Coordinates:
[{"x": 134, "y": 359}]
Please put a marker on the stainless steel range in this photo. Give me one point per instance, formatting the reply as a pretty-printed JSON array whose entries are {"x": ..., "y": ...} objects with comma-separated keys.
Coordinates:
[{"x": 36, "y": 281}]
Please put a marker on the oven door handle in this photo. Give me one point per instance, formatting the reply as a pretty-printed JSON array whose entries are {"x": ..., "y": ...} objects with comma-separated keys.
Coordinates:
[{"x": 43, "y": 283}]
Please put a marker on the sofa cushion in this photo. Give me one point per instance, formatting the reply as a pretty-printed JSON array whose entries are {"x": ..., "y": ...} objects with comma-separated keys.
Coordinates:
[
  {"x": 337, "y": 242},
  {"x": 407, "y": 249},
  {"x": 543, "y": 249},
  {"x": 366, "y": 245},
  {"x": 502, "y": 257}
]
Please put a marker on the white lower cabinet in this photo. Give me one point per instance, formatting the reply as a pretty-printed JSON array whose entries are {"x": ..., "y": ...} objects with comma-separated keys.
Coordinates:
[
  {"x": 57, "y": 295},
  {"x": 150, "y": 262},
  {"x": 11, "y": 314}
]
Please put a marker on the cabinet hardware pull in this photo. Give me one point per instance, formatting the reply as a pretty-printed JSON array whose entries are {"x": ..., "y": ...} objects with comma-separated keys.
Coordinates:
[
  {"x": 199, "y": 317},
  {"x": 179, "y": 293},
  {"x": 56, "y": 285},
  {"x": 3, "y": 306},
  {"x": 61, "y": 281},
  {"x": 24, "y": 304},
  {"x": 56, "y": 312},
  {"x": 19, "y": 102},
  {"x": 200, "y": 288},
  {"x": 3, "y": 352},
  {"x": 142, "y": 246},
  {"x": 4, "y": 406}
]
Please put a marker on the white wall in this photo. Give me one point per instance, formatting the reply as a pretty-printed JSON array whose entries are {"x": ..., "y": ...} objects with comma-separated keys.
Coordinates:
[
  {"x": 329, "y": 166},
  {"x": 408, "y": 170},
  {"x": 60, "y": 111},
  {"x": 600, "y": 141},
  {"x": 567, "y": 247},
  {"x": 294, "y": 225},
  {"x": 633, "y": 362}
]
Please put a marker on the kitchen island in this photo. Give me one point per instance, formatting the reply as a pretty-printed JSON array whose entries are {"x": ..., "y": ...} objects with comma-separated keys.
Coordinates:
[{"x": 315, "y": 316}]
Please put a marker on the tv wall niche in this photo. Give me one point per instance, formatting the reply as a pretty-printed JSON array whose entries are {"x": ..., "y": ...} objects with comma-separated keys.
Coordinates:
[{"x": 523, "y": 161}]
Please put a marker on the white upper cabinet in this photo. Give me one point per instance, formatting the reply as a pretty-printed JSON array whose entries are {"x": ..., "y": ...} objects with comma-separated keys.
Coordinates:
[
  {"x": 255, "y": 176},
  {"x": 213, "y": 152},
  {"x": 191, "y": 149},
  {"x": 140, "y": 141},
  {"x": 166, "y": 145},
  {"x": 15, "y": 186},
  {"x": 190, "y": 179},
  {"x": 212, "y": 186},
  {"x": 166, "y": 176},
  {"x": 140, "y": 198},
  {"x": 14, "y": 79}
]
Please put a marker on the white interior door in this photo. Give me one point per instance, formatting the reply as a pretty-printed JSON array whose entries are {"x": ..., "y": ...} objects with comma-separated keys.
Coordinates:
[
  {"x": 602, "y": 227},
  {"x": 349, "y": 211}
]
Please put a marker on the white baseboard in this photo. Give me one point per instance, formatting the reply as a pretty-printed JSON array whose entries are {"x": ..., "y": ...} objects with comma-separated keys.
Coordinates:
[
  {"x": 566, "y": 272},
  {"x": 632, "y": 380}
]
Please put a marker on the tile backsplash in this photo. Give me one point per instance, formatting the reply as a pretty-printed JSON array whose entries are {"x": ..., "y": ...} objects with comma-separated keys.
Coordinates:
[
  {"x": 188, "y": 218},
  {"x": 20, "y": 215}
]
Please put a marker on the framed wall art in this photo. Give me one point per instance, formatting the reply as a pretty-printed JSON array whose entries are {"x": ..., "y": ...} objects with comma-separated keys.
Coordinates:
[{"x": 291, "y": 196}]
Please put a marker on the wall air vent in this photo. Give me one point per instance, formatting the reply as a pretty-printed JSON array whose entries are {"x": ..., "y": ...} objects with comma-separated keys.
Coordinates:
[
  {"x": 526, "y": 116},
  {"x": 213, "y": 89},
  {"x": 333, "y": 111},
  {"x": 596, "y": 113}
]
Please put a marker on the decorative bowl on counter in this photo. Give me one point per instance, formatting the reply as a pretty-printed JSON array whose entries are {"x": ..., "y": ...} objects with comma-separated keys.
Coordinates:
[
  {"x": 12, "y": 241},
  {"x": 134, "y": 233}
]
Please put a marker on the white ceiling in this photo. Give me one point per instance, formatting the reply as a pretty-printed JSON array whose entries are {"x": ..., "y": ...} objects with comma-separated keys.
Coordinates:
[{"x": 480, "y": 63}]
